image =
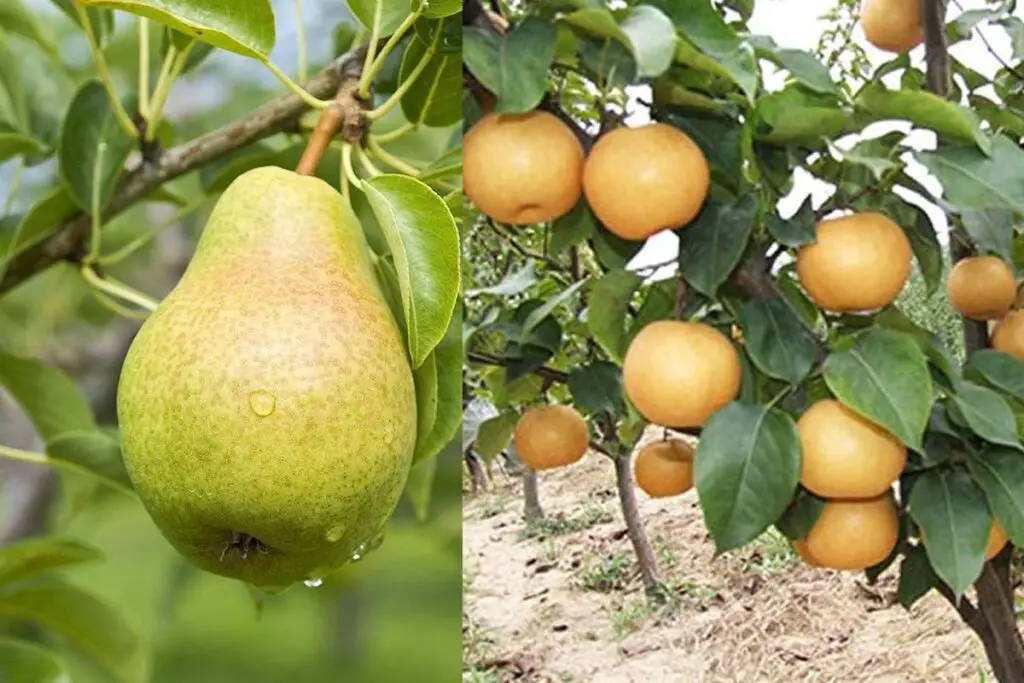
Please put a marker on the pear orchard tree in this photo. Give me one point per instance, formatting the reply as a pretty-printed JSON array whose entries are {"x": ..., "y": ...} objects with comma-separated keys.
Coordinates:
[
  {"x": 333, "y": 242},
  {"x": 822, "y": 407}
]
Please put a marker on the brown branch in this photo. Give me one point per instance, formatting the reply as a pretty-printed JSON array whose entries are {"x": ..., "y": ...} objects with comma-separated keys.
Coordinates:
[
  {"x": 271, "y": 118},
  {"x": 544, "y": 372}
]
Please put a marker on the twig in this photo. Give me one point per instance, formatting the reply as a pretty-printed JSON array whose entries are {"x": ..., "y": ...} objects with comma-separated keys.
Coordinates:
[
  {"x": 520, "y": 248},
  {"x": 269, "y": 119},
  {"x": 992, "y": 51},
  {"x": 544, "y": 372}
]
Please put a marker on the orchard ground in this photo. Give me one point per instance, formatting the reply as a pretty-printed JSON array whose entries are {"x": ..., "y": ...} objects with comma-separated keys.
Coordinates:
[{"x": 560, "y": 600}]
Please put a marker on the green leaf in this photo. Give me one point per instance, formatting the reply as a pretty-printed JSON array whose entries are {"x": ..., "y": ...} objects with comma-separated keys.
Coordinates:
[
  {"x": 14, "y": 143},
  {"x": 999, "y": 369},
  {"x": 39, "y": 555},
  {"x": 246, "y": 28},
  {"x": 597, "y": 387},
  {"x": 885, "y": 378},
  {"x": 932, "y": 346},
  {"x": 646, "y": 32},
  {"x": 801, "y": 515},
  {"x": 551, "y": 305},
  {"x": 198, "y": 51},
  {"x": 955, "y": 520},
  {"x": 13, "y": 97},
  {"x": 746, "y": 471},
  {"x": 777, "y": 340},
  {"x": 803, "y": 66},
  {"x": 87, "y": 622},
  {"x": 424, "y": 241},
  {"x": 925, "y": 244},
  {"x": 925, "y": 110},
  {"x": 1000, "y": 473},
  {"x": 426, "y": 398},
  {"x": 795, "y": 231},
  {"x": 448, "y": 358},
  {"x": 797, "y": 116},
  {"x": 441, "y": 8},
  {"x": 435, "y": 98},
  {"x": 572, "y": 228},
  {"x": 50, "y": 399},
  {"x": 494, "y": 434},
  {"x": 419, "y": 485},
  {"x": 393, "y": 13},
  {"x": 448, "y": 165},
  {"x": 971, "y": 180},
  {"x": 48, "y": 214},
  {"x": 726, "y": 53},
  {"x": 15, "y": 17},
  {"x": 991, "y": 231},
  {"x": 917, "y": 577},
  {"x": 514, "y": 66},
  {"x": 23, "y": 662},
  {"x": 51, "y": 88},
  {"x": 711, "y": 247},
  {"x": 93, "y": 148},
  {"x": 102, "y": 20},
  {"x": 514, "y": 283},
  {"x": 987, "y": 414},
  {"x": 94, "y": 452},
  {"x": 609, "y": 310}
]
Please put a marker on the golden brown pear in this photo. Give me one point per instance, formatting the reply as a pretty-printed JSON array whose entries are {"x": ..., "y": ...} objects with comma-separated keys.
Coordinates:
[
  {"x": 892, "y": 25},
  {"x": 679, "y": 373},
  {"x": 547, "y": 437},
  {"x": 854, "y": 534},
  {"x": 857, "y": 263},
  {"x": 1008, "y": 335},
  {"x": 982, "y": 287},
  {"x": 640, "y": 181},
  {"x": 522, "y": 168},
  {"x": 664, "y": 468},
  {"x": 845, "y": 455}
]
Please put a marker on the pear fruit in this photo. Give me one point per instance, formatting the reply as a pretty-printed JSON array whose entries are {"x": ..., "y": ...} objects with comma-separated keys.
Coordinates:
[{"x": 267, "y": 407}]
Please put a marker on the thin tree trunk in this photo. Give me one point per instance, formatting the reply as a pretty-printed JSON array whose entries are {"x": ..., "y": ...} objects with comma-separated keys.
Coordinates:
[
  {"x": 635, "y": 526},
  {"x": 532, "y": 510},
  {"x": 476, "y": 472},
  {"x": 1002, "y": 639}
]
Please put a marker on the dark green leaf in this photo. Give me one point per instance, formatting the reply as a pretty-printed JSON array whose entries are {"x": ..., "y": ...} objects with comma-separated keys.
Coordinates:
[
  {"x": 803, "y": 66},
  {"x": 572, "y": 228},
  {"x": 925, "y": 110},
  {"x": 987, "y": 414},
  {"x": 495, "y": 434},
  {"x": 916, "y": 577},
  {"x": 514, "y": 283},
  {"x": 448, "y": 358},
  {"x": 609, "y": 309},
  {"x": 48, "y": 214},
  {"x": 23, "y": 662},
  {"x": 597, "y": 387},
  {"x": 885, "y": 378},
  {"x": 746, "y": 470},
  {"x": 795, "y": 231},
  {"x": 645, "y": 31},
  {"x": 424, "y": 242},
  {"x": 971, "y": 180},
  {"x": 50, "y": 399},
  {"x": 799, "y": 518},
  {"x": 1001, "y": 370},
  {"x": 991, "y": 231},
  {"x": 393, "y": 13},
  {"x": 955, "y": 520},
  {"x": 24, "y": 559},
  {"x": 435, "y": 98},
  {"x": 514, "y": 66},
  {"x": 797, "y": 116},
  {"x": 425, "y": 378},
  {"x": 14, "y": 143},
  {"x": 1000, "y": 473},
  {"x": 777, "y": 340},
  {"x": 711, "y": 247},
  {"x": 91, "y": 451},
  {"x": 925, "y": 245}
]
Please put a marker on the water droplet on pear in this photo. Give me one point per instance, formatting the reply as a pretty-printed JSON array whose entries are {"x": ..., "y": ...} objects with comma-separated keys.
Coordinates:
[
  {"x": 262, "y": 402},
  {"x": 335, "y": 533},
  {"x": 314, "y": 583}
]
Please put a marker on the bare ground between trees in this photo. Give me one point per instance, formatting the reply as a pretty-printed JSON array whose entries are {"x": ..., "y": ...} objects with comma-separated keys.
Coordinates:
[{"x": 535, "y": 609}]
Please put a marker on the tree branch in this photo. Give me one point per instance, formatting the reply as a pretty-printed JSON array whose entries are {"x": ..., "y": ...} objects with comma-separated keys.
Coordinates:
[
  {"x": 544, "y": 372},
  {"x": 271, "y": 118}
]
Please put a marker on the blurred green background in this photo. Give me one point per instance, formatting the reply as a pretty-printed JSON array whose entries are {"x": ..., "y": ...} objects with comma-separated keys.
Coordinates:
[{"x": 393, "y": 616}]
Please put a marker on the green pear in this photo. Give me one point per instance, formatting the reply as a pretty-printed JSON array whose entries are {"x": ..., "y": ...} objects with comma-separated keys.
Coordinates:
[{"x": 267, "y": 407}]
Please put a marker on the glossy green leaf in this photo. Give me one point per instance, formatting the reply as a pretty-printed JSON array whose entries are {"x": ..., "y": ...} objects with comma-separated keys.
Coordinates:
[
  {"x": 495, "y": 434},
  {"x": 435, "y": 98},
  {"x": 25, "y": 559},
  {"x": 246, "y": 28},
  {"x": 572, "y": 228},
  {"x": 94, "y": 452},
  {"x": 795, "y": 231},
  {"x": 924, "y": 242},
  {"x": 609, "y": 310},
  {"x": 514, "y": 66},
  {"x": 972, "y": 180},
  {"x": 14, "y": 143},
  {"x": 924, "y": 110},
  {"x": 645, "y": 31},
  {"x": 746, "y": 472},
  {"x": 197, "y": 51},
  {"x": 776, "y": 339},
  {"x": 392, "y": 13},
  {"x": 448, "y": 414},
  {"x": 441, "y": 8},
  {"x": 48, "y": 214},
  {"x": 802, "y": 66},
  {"x": 917, "y": 577},
  {"x": 955, "y": 519},
  {"x": 797, "y": 116},
  {"x": 24, "y": 662},
  {"x": 801, "y": 515},
  {"x": 991, "y": 231},
  {"x": 426, "y": 398},
  {"x": 89, "y": 623},
  {"x": 999, "y": 369},
  {"x": 1000, "y": 473},
  {"x": 987, "y": 414},
  {"x": 50, "y": 399},
  {"x": 93, "y": 147},
  {"x": 597, "y": 387},
  {"x": 424, "y": 242},
  {"x": 885, "y": 378},
  {"x": 711, "y": 247}
]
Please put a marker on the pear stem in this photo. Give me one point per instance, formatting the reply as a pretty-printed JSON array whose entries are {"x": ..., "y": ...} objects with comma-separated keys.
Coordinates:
[
  {"x": 326, "y": 128},
  {"x": 118, "y": 308},
  {"x": 314, "y": 102},
  {"x": 371, "y": 50},
  {"x": 144, "y": 67},
  {"x": 390, "y": 159},
  {"x": 374, "y": 64},
  {"x": 397, "y": 133},
  {"x": 300, "y": 23},
  {"x": 399, "y": 93},
  {"x": 346, "y": 161},
  {"x": 344, "y": 179},
  {"x": 108, "y": 285},
  {"x": 101, "y": 67}
]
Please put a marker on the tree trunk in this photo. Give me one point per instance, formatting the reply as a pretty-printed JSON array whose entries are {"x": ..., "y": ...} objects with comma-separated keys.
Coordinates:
[
  {"x": 635, "y": 527},
  {"x": 476, "y": 472},
  {"x": 1001, "y": 637},
  {"x": 532, "y": 510}
]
